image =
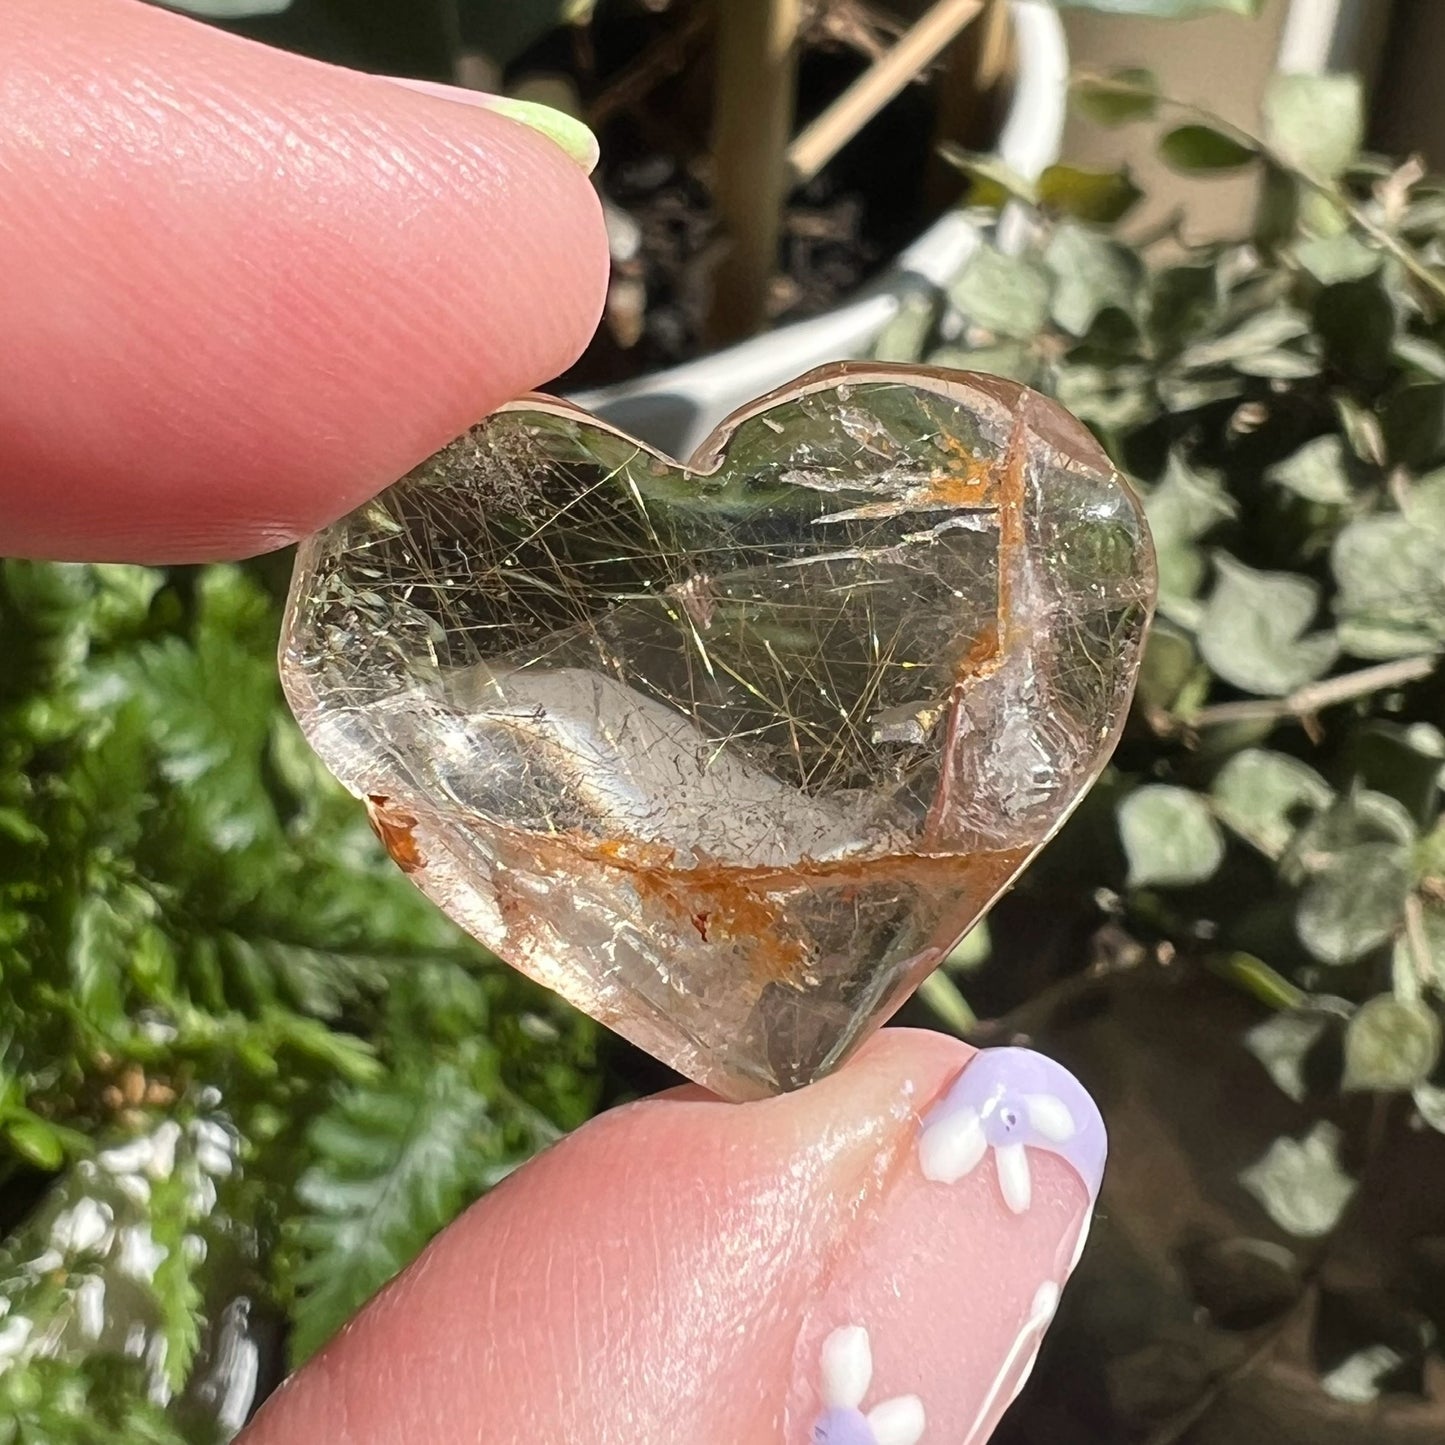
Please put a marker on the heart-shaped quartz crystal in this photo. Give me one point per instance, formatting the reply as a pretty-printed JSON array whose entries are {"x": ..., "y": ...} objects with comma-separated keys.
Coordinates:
[{"x": 731, "y": 755}]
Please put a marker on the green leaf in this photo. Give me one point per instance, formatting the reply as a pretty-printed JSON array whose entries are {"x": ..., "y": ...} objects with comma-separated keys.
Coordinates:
[
  {"x": 945, "y": 998},
  {"x": 1280, "y": 365},
  {"x": 394, "y": 1163},
  {"x": 1331, "y": 259},
  {"x": 1391, "y": 1045},
  {"x": 1170, "y": 664},
  {"x": 1430, "y": 857},
  {"x": 994, "y": 182},
  {"x": 1355, "y": 902},
  {"x": 36, "y": 1141},
  {"x": 1252, "y": 630},
  {"x": 1266, "y": 797},
  {"x": 1300, "y": 1182},
  {"x": 1008, "y": 295},
  {"x": 1102, "y": 197},
  {"x": 1401, "y": 762},
  {"x": 1016, "y": 360},
  {"x": 1317, "y": 471},
  {"x": 94, "y": 1400},
  {"x": 1091, "y": 272},
  {"x": 99, "y": 948},
  {"x": 1121, "y": 96},
  {"x": 1109, "y": 398},
  {"x": 1170, "y": 837},
  {"x": 1361, "y": 428},
  {"x": 1282, "y": 1044},
  {"x": 1258, "y": 335},
  {"x": 1186, "y": 394},
  {"x": 1391, "y": 598},
  {"x": 1195, "y": 148},
  {"x": 1424, "y": 356},
  {"x": 1186, "y": 505},
  {"x": 1417, "y": 965},
  {"x": 1315, "y": 123},
  {"x": 905, "y": 337},
  {"x": 972, "y": 950}
]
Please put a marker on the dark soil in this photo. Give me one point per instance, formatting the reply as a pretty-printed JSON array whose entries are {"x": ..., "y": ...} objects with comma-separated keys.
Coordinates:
[{"x": 645, "y": 81}]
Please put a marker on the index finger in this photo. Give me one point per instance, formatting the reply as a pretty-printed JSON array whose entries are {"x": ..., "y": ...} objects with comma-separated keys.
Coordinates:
[{"x": 241, "y": 291}]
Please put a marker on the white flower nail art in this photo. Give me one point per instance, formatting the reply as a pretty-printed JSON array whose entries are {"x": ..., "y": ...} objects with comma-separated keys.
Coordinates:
[
  {"x": 847, "y": 1367},
  {"x": 1010, "y": 1101}
]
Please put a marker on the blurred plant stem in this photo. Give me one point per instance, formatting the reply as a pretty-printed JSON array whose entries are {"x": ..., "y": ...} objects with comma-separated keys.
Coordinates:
[{"x": 756, "y": 73}]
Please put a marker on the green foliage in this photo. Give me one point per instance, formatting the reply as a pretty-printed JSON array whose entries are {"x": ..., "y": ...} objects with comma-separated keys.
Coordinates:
[
  {"x": 1275, "y": 808},
  {"x": 1170, "y": 837},
  {"x": 241, "y": 1057},
  {"x": 1204, "y": 148}
]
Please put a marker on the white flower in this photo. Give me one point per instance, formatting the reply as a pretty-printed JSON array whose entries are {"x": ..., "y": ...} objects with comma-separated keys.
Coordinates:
[
  {"x": 954, "y": 1143},
  {"x": 847, "y": 1365}
]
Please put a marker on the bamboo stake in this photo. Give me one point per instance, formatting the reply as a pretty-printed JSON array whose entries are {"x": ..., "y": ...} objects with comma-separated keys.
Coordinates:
[
  {"x": 916, "y": 48},
  {"x": 752, "y": 119}
]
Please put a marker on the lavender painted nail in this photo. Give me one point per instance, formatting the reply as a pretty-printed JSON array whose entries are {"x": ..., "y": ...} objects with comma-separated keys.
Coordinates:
[{"x": 1011, "y": 1101}]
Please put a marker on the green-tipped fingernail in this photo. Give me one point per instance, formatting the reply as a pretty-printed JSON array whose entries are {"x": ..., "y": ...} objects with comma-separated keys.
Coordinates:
[
  {"x": 561, "y": 129},
  {"x": 564, "y": 131}
]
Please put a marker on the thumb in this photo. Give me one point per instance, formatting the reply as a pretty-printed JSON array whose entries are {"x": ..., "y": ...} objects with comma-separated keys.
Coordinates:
[
  {"x": 870, "y": 1261},
  {"x": 243, "y": 291}
]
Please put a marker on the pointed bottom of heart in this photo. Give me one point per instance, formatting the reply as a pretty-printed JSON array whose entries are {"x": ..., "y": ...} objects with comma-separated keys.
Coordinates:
[{"x": 750, "y": 981}]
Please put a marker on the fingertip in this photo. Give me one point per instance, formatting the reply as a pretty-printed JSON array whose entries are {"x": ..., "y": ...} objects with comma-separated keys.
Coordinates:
[
  {"x": 246, "y": 290},
  {"x": 688, "y": 1269}
]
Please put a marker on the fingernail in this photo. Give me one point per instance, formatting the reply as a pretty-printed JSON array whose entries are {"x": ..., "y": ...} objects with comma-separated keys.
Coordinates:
[
  {"x": 940, "y": 1293},
  {"x": 565, "y": 131}
]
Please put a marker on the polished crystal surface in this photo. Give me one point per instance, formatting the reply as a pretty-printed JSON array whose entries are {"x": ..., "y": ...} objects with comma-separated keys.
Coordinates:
[{"x": 731, "y": 755}]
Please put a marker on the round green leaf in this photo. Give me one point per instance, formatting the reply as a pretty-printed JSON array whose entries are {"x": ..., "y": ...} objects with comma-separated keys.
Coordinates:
[
  {"x": 1355, "y": 902},
  {"x": 1202, "y": 148},
  {"x": 1252, "y": 631},
  {"x": 1170, "y": 837},
  {"x": 1331, "y": 259},
  {"x": 1282, "y": 1043},
  {"x": 1008, "y": 295},
  {"x": 1315, "y": 123},
  {"x": 1261, "y": 795},
  {"x": 1391, "y": 599},
  {"x": 1391, "y": 1044}
]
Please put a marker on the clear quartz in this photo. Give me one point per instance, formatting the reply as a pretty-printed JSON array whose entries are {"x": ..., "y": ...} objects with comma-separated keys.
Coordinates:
[{"x": 731, "y": 755}]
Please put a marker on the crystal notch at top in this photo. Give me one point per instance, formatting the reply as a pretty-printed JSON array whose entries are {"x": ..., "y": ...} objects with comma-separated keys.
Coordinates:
[{"x": 731, "y": 755}]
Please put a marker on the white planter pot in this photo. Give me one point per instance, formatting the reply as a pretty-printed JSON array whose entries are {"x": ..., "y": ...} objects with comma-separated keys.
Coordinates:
[{"x": 675, "y": 409}]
